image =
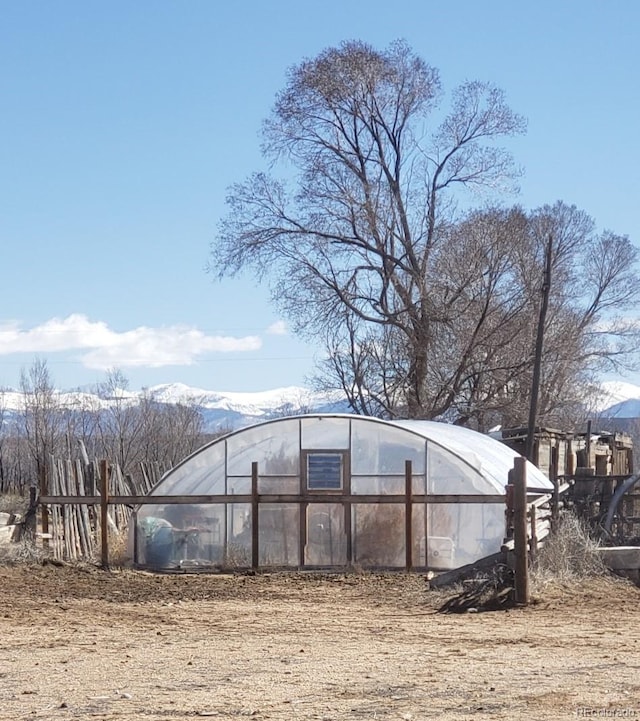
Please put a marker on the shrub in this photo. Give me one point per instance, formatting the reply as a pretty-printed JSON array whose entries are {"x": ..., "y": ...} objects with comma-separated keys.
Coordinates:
[
  {"x": 569, "y": 554},
  {"x": 24, "y": 551}
]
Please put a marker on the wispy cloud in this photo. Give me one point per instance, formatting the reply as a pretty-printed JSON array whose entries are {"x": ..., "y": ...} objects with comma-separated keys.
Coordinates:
[
  {"x": 106, "y": 348},
  {"x": 278, "y": 328}
]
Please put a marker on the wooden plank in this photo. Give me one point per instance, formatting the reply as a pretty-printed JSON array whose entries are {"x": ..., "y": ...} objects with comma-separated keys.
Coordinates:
[
  {"x": 533, "y": 538},
  {"x": 275, "y": 498},
  {"x": 540, "y": 500},
  {"x": 86, "y": 534},
  {"x": 55, "y": 530},
  {"x": 255, "y": 513},
  {"x": 69, "y": 552},
  {"x": 521, "y": 545},
  {"x": 302, "y": 535},
  {"x": 446, "y": 578},
  {"x": 408, "y": 515},
  {"x": 104, "y": 513},
  {"x": 347, "y": 510},
  {"x": 74, "y": 511},
  {"x": 44, "y": 516}
]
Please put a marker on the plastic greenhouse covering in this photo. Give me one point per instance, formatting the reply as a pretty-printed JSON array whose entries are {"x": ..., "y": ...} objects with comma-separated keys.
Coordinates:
[{"x": 332, "y": 491}]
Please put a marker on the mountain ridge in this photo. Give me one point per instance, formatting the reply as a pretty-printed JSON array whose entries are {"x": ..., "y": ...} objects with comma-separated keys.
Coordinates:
[
  {"x": 220, "y": 409},
  {"x": 225, "y": 409}
]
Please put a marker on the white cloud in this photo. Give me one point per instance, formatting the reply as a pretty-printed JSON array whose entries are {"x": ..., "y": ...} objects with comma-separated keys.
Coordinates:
[
  {"x": 278, "y": 328},
  {"x": 148, "y": 347}
]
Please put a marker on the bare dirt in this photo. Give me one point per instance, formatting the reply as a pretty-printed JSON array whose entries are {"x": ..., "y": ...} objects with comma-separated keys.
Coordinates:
[{"x": 79, "y": 642}]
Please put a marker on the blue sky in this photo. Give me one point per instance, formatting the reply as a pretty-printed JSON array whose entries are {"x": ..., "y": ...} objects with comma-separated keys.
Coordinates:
[{"x": 123, "y": 123}]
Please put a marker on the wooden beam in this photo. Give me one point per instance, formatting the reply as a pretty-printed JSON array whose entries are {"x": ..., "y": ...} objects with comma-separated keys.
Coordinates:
[
  {"x": 408, "y": 515},
  {"x": 255, "y": 514},
  {"x": 273, "y": 498},
  {"x": 302, "y": 536},
  {"x": 104, "y": 512},
  {"x": 521, "y": 543},
  {"x": 44, "y": 516}
]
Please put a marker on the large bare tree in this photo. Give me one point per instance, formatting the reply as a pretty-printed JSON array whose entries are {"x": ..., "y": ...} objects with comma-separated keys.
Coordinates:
[
  {"x": 375, "y": 168},
  {"x": 425, "y": 310}
]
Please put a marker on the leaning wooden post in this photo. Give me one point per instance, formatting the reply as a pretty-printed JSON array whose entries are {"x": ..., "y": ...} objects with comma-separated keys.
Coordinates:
[
  {"x": 104, "y": 512},
  {"x": 408, "y": 520},
  {"x": 255, "y": 530},
  {"x": 43, "y": 482},
  {"x": 521, "y": 545}
]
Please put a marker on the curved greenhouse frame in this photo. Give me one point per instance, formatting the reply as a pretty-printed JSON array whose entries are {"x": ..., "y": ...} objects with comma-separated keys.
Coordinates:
[{"x": 332, "y": 491}]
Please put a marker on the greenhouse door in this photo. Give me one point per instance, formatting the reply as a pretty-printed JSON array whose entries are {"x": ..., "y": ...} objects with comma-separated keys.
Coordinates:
[
  {"x": 326, "y": 535},
  {"x": 325, "y": 479}
]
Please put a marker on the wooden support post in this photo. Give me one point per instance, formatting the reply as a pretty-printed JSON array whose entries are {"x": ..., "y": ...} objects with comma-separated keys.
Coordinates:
[
  {"x": 508, "y": 510},
  {"x": 530, "y": 449},
  {"x": 136, "y": 537},
  {"x": 408, "y": 515},
  {"x": 44, "y": 517},
  {"x": 555, "y": 499},
  {"x": 104, "y": 512},
  {"x": 347, "y": 509},
  {"x": 521, "y": 548},
  {"x": 302, "y": 532},
  {"x": 348, "y": 531},
  {"x": 30, "y": 525},
  {"x": 255, "y": 535},
  {"x": 533, "y": 541}
]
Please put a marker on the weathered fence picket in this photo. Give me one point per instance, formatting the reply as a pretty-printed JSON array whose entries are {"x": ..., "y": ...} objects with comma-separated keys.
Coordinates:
[{"x": 75, "y": 529}]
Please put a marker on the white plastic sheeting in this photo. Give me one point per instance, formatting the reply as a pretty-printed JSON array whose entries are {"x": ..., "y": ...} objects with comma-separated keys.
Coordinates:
[
  {"x": 351, "y": 521},
  {"x": 491, "y": 458}
]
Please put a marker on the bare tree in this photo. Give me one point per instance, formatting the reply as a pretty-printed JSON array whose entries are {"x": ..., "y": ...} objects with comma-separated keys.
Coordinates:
[
  {"x": 355, "y": 251},
  {"x": 3, "y": 436},
  {"x": 171, "y": 431},
  {"x": 41, "y": 416},
  {"x": 593, "y": 283},
  {"x": 120, "y": 424},
  {"x": 138, "y": 428}
]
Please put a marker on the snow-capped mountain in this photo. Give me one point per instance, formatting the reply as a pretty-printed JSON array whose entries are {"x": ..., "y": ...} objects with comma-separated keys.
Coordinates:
[
  {"x": 235, "y": 409},
  {"x": 225, "y": 410},
  {"x": 618, "y": 400},
  {"x": 220, "y": 410}
]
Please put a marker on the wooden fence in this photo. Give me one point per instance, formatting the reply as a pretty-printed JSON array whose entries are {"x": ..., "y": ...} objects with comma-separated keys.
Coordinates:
[
  {"x": 85, "y": 498},
  {"x": 530, "y": 521},
  {"x": 72, "y": 530}
]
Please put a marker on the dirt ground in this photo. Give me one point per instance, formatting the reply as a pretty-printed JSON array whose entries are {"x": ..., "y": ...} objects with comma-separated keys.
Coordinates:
[{"x": 79, "y": 642}]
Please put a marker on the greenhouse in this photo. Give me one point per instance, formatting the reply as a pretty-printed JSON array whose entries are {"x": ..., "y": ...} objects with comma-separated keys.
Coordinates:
[{"x": 332, "y": 491}]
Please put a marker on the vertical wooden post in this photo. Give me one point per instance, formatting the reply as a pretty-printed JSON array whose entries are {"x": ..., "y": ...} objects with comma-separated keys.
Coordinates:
[
  {"x": 555, "y": 498},
  {"x": 537, "y": 361},
  {"x": 44, "y": 517},
  {"x": 302, "y": 532},
  {"x": 533, "y": 541},
  {"x": 255, "y": 536},
  {"x": 520, "y": 531},
  {"x": 346, "y": 505},
  {"x": 408, "y": 514},
  {"x": 104, "y": 512},
  {"x": 136, "y": 537},
  {"x": 30, "y": 524},
  {"x": 587, "y": 445},
  {"x": 508, "y": 511}
]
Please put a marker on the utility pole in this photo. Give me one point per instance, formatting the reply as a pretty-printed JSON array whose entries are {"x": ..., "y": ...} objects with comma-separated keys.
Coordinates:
[{"x": 537, "y": 362}]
